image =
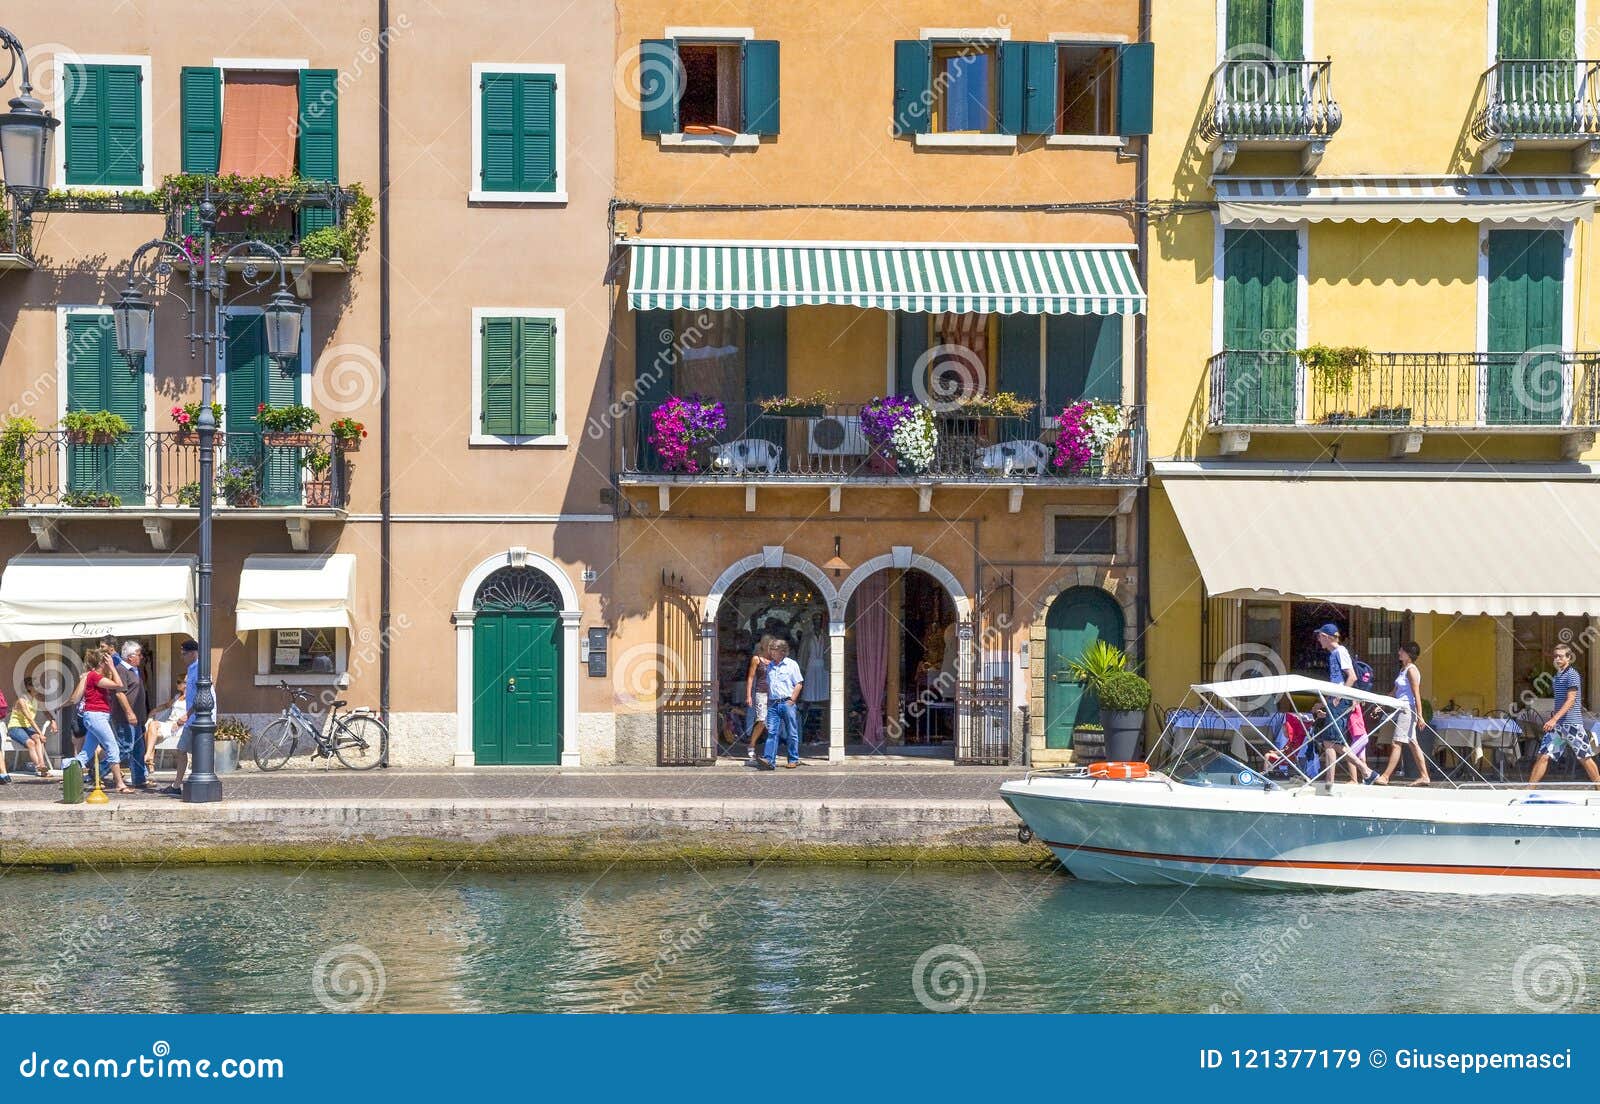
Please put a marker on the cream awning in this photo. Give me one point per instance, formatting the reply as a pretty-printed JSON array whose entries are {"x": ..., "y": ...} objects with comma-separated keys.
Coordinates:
[
  {"x": 67, "y": 596},
  {"x": 296, "y": 592},
  {"x": 928, "y": 277},
  {"x": 1403, "y": 199},
  {"x": 1429, "y": 546}
]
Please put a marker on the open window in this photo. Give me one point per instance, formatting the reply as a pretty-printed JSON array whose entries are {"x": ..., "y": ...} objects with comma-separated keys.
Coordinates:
[
  {"x": 1087, "y": 95},
  {"x": 965, "y": 87},
  {"x": 708, "y": 90}
]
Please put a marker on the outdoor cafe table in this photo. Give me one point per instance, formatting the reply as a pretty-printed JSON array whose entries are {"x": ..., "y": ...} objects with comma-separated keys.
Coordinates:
[{"x": 1459, "y": 732}]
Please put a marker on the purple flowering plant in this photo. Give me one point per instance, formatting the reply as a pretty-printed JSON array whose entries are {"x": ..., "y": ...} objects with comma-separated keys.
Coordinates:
[
  {"x": 682, "y": 424},
  {"x": 881, "y": 417}
]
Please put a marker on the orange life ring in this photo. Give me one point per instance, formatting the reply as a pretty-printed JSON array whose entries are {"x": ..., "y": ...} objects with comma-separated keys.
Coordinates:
[{"x": 1118, "y": 770}]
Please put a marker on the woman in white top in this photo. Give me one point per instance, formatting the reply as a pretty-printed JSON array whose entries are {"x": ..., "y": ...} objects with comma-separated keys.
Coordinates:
[{"x": 1408, "y": 688}]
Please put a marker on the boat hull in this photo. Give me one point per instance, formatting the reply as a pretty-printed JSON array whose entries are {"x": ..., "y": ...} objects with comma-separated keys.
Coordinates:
[{"x": 1162, "y": 834}]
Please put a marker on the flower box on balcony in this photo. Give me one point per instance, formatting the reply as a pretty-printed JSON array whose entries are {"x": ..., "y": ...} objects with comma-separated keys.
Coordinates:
[
  {"x": 276, "y": 439},
  {"x": 87, "y": 437},
  {"x": 190, "y": 438},
  {"x": 319, "y": 493},
  {"x": 348, "y": 444}
]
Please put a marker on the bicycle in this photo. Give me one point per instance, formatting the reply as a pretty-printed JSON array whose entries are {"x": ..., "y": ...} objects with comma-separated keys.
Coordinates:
[{"x": 358, "y": 740}]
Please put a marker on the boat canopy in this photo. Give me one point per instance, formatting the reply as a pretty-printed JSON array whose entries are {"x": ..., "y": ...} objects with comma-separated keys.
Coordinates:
[{"x": 1271, "y": 686}]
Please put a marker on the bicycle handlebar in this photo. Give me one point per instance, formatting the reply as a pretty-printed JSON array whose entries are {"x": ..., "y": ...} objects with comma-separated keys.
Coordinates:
[{"x": 295, "y": 692}]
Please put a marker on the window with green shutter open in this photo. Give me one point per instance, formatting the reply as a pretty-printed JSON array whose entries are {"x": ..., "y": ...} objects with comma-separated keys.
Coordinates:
[
  {"x": 726, "y": 87},
  {"x": 518, "y": 133},
  {"x": 518, "y": 377},
  {"x": 104, "y": 125}
]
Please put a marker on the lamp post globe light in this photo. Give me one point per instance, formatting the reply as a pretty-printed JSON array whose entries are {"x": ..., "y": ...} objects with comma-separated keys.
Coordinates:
[
  {"x": 150, "y": 270},
  {"x": 25, "y": 130}
]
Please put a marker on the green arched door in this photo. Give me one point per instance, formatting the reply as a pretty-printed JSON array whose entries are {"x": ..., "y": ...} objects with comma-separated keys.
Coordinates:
[
  {"x": 516, "y": 670},
  {"x": 1077, "y": 619}
]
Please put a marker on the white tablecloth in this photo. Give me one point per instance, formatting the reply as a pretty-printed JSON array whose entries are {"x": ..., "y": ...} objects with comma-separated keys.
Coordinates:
[{"x": 1476, "y": 733}]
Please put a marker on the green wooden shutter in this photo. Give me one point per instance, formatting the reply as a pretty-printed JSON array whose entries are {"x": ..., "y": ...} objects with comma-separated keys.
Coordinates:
[
  {"x": 104, "y": 124},
  {"x": 82, "y": 86},
  {"x": 660, "y": 83},
  {"x": 1249, "y": 28},
  {"x": 1013, "y": 86},
  {"x": 1536, "y": 29},
  {"x": 1525, "y": 273},
  {"x": 766, "y": 375},
  {"x": 498, "y": 172},
  {"x": 536, "y": 377},
  {"x": 759, "y": 90},
  {"x": 499, "y": 376},
  {"x": 1039, "y": 95},
  {"x": 1019, "y": 356},
  {"x": 319, "y": 138},
  {"x": 913, "y": 76},
  {"x": 1288, "y": 29},
  {"x": 537, "y": 130},
  {"x": 86, "y": 464},
  {"x": 200, "y": 105},
  {"x": 99, "y": 378},
  {"x": 1083, "y": 359},
  {"x": 280, "y": 467},
  {"x": 1136, "y": 76},
  {"x": 1260, "y": 314},
  {"x": 911, "y": 338},
  {"x": 254, "y": 378}
]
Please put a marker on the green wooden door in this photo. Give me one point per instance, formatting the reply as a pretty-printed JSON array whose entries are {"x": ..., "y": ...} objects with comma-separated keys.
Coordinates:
[
  {"x": 516, "y": 707},
  {"x": 99, "y": 378},
  {"x": 1536, "y": 29},
  {"x": 1077, "y": 619},
  {"x": 254, "y": 378},
  {"x": 1524, "y": 382},
  {"x": 1260, "y": 319}
]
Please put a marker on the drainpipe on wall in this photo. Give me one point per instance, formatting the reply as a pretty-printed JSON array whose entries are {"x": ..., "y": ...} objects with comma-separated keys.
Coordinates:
[
  {"x": 385, "y": 591},
  {"x": 1141, "y": 363}
]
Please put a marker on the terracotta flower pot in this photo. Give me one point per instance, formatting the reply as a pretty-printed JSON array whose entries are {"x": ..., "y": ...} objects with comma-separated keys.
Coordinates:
[
  {"x": 78, "y": 437},
  {"x": 319, "y": 493},
  {"x": 277, "y": 439},
  {"x": 348, "y": 444}
]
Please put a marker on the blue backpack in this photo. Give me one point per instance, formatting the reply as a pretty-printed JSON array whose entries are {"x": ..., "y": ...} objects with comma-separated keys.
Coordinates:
[{"x": 1364, "y": 677}]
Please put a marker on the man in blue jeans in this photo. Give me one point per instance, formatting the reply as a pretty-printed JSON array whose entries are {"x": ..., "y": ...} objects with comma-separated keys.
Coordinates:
[
  {"x": 783, "y": 691},
  {"x": 128, "y": 710}
]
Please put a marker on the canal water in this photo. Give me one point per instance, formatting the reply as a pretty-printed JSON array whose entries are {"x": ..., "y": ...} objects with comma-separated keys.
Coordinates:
[{"x": 767, "y": 939}]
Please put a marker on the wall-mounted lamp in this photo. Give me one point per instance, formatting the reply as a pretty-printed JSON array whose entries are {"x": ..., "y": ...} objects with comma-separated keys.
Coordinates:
[{"x": 837, "y": 564}]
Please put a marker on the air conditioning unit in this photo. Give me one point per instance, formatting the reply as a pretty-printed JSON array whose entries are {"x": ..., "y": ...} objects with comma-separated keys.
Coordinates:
[{"x": 836, "y": 435}]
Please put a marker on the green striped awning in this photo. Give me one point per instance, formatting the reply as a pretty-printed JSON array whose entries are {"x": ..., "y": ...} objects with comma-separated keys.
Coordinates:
[{"x": 922, "y": 277}]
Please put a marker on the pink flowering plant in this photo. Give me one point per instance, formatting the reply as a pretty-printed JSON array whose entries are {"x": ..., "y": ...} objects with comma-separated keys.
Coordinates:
[
  {"x": 901, "y": 430},
  {"x": 187, "y": 416},
  {"x": 1086, "y": 430},
  {"x": 683, "y": 424}
]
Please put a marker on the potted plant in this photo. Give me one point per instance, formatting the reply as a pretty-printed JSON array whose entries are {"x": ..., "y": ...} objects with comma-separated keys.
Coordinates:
[
  {"x": 187, "y": 417},
  {"x": 14, "y": 459},
  {"x": 1098, "y": 662},
  {"x": 1333, "y": 367},
  {"x": 348, "y": 434},
  {"x": 319, "y": 488},
  {"x": 1124, "y": 697},
  {"x": 681, "y": 430},
  {"x": 91, "y": 499},
  {"x": 93, "y": 427},
  {"x": 901, "y": 433},
  {"x": 240, "y": 486},
  {"x": 814, "y": 405},
  {"x": 189, "y": 494},
  {"x": 1086, "y": 433},
  {"x": 232, "y": 735},
  {"x": 287, "y": 426}
]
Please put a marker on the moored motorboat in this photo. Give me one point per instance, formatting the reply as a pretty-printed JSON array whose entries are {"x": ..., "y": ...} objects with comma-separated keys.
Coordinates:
[{"x": 1208, "y": 817}]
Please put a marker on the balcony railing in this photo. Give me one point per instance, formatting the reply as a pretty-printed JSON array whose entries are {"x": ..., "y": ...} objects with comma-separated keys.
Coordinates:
[
  {"x": 1545, "y": 389},
  {"x": 162, "y": 469},
  {"x": 1284, "y": 104},
  {"x": 295, "y": 211},
  {"x": 827, "y": 445},
  {"x": 1539, "y": 100}
]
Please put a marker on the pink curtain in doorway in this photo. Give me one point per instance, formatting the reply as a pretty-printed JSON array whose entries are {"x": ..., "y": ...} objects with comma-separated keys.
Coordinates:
[{"x": 872, "y": 651}]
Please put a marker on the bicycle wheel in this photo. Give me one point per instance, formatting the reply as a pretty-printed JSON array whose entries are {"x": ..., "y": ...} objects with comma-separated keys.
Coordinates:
[
  {"x": 274, "y": 746},
  {"x": 361, "y": 742}
]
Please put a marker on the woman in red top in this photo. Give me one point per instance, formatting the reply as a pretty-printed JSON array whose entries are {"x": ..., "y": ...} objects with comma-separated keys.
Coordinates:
[{"x": 97, "y": 687}]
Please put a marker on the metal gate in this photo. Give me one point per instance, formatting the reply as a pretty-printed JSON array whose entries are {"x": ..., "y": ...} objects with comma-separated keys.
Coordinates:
[
  {"x": 686, "y": 733},
  {"x": 983, "y": 699}
]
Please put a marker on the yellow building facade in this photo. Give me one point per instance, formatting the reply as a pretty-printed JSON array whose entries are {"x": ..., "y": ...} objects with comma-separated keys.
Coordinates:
[{"x": 1372, "y": 341}]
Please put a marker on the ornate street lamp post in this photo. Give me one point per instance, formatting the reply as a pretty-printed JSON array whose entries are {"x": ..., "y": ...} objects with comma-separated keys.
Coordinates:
[
  {"x": 25, "y": 130},
  {"x": 149, "y": 270}
]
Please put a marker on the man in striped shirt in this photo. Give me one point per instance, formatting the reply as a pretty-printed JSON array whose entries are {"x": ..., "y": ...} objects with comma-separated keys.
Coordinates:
[{"x": 1565, "y": 727}]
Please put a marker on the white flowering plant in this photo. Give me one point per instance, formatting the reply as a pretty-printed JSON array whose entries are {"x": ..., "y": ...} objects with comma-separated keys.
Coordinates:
[{"x": 915, "y": 439}]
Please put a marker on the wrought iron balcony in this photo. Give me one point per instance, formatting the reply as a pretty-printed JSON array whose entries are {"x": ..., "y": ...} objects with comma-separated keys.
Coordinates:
[
  {"x": 1271, "y": 105},
  {"x": 160, "y": 470},
  {"x": 1548, "y": 391},
  {"x": 1540, "y": 104},
  {"x": 826, "y": 445}
]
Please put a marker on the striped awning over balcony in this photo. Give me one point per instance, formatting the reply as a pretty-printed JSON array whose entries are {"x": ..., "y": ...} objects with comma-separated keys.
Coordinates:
[
  {"x": 1404, "y": 199},
  {"x": 921, "y": 277}
]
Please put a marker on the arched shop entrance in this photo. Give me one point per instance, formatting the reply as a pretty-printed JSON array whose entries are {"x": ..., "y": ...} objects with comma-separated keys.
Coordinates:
[
  {"x": 1077, "y": 619},
  {"x": 782, "y": 603},
  {"x": 902, "y": 662}
]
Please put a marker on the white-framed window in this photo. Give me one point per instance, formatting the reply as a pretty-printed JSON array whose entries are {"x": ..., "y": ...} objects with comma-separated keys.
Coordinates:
[
  {"x": 1085, "y": 534},
  {"x": 104, "y": 142},
  {"x": 964, "y": 83},
  {"x": 519, "y": 133},
  {"x": 709, "y": 88},
  {"x": 1087, "y": 69},
  {"x": 301, "y": 657},
  {"x": 519, "y": 376}
]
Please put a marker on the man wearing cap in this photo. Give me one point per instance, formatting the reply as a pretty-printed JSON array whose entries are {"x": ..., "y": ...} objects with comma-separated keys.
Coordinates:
[
  {"x": 191, "y": 679},
  {"x": 1341, "y": 671}
]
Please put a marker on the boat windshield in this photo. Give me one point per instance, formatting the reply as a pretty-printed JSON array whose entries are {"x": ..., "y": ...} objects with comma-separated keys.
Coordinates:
[{"x": 1203, "y": 766}]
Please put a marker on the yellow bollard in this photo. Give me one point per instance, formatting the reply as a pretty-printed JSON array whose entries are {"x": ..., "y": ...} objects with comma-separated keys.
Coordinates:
[{"x": 96, "y": 796}]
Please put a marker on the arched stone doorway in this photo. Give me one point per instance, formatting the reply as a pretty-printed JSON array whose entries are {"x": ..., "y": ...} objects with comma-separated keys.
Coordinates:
[
  {"x": 516, "y": 663},
  {"x": 905, "y": 657},
  {"x": 780, "y": 603}
]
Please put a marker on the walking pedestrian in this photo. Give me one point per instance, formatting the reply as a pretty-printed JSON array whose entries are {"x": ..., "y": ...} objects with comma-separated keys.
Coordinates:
[
  {"x": 1334, "y": 735},
  {"x": 1408, "y": 722},
  {"x": 131, "y": 713},
  {"x": 191, "y": 679},
  {"x": 1565, "y": 730},
  {"x": 755, "y": 696},
  {"x": 96, "y": 688},
  {"x": 23, "y": 728},
  {"x": 784, "y": 683}
]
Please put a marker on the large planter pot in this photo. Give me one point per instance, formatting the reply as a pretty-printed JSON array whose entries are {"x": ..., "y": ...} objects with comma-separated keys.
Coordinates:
[
  {"x": 227, "y": 756},
  {"x": 1123, "y": 728},
  {"x": 1088, "y": 745}
]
